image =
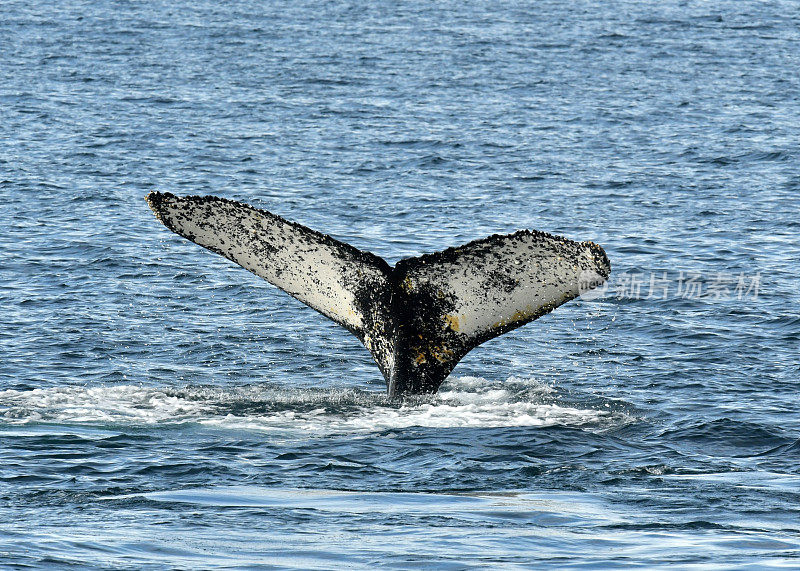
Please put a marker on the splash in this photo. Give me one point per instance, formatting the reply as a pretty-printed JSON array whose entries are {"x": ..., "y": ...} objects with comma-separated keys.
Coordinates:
[{"x": 463, "y": 402}]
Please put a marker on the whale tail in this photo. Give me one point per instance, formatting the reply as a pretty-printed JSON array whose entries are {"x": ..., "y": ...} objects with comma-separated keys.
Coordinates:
[{"x": 421, "y": 317}]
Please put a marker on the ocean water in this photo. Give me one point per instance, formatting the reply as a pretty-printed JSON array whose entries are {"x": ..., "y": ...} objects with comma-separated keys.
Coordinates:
[{"x": 160, "y": 407}]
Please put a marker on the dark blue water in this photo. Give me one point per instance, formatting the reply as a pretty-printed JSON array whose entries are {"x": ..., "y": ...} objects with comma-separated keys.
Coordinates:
[{"x": 162, "y": 408}]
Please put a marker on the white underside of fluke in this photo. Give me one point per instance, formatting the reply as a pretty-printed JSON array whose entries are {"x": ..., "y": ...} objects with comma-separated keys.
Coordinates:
[
  {"x": 507, "y": 279},
  {"x": 311, "y": 267}
]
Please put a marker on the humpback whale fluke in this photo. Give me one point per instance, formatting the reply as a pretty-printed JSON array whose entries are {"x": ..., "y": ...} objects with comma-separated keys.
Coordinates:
[{"x": 421, "y": 317}]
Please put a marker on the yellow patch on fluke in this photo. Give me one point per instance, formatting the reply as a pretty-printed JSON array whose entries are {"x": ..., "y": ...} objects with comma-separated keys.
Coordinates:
[
  {"x": 520, "y": 315},
  {"x": 451, "y": 321},
  {"x": 442, "y": 354}
]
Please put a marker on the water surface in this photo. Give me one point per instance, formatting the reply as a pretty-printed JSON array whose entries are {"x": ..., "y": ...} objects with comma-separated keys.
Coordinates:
[{"x": 162, "y": 408}]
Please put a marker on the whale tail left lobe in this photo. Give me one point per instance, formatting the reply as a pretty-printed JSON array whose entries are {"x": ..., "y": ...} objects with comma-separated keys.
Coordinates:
[
  {"x": 343, "y": 283},
  {"x": 418, "y": 319}
]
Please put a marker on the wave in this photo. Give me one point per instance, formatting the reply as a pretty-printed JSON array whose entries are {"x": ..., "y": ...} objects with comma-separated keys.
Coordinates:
[{"x": 463, "y": 402}]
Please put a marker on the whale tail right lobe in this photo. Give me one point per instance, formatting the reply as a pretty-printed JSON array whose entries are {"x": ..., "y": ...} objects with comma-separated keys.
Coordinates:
[
  {"x": 418, "y": 319},
  {"x": 452, "y": 301}
]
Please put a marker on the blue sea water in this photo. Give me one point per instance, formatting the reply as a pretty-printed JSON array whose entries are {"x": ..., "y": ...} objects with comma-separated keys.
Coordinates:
[{"x": 160, "y": 407}]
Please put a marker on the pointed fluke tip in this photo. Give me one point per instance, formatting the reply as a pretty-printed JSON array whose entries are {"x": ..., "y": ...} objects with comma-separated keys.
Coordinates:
[
  {"x": 155, "y": 200},
  {"x": 600, "y": 259}
]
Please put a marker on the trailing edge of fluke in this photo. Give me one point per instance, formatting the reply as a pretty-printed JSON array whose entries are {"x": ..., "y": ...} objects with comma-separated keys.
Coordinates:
[{"x": 421, "y": 317}]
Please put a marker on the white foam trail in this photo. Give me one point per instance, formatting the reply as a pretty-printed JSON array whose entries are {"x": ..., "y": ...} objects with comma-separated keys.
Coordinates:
[
  {"x": 102, "y": 404},
  {"x": 463, "y": 402}
]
